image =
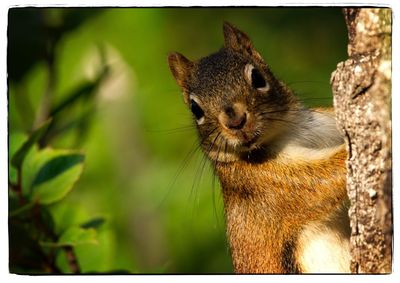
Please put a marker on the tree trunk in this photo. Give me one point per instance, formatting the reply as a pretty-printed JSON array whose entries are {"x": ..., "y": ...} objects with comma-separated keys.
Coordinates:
[{"x": 362, "y": 99}]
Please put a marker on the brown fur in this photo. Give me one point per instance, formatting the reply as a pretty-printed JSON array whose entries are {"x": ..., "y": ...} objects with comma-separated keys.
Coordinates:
[{"x": 266, "y": 204}]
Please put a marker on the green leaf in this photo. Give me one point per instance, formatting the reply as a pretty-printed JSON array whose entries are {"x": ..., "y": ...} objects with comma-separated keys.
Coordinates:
[
  {"x": 77, "y": 236},
  {"x": 73, "y": 237},
  {"x": 21, "y": 153},
  {"x": 15, "y": 141},
  {"x": 85, "y": 90},
  {"x": 56, "y": 173},
  {"x": 79, "y": 122},
  {"x": 93, "y": 223}
]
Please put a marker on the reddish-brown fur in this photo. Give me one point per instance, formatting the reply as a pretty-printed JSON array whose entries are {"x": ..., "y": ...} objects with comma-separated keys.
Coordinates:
[{"x": 267, "y": 204}]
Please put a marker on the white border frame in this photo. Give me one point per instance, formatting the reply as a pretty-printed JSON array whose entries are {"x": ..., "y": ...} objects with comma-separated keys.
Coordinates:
[{"x": 4, "y": 273}]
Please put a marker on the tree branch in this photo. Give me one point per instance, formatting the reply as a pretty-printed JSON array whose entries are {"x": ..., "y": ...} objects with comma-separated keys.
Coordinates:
[{"x": 362, "y": 95}]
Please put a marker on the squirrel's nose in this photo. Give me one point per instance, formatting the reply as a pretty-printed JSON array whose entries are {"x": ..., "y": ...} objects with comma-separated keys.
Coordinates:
[
  {"x": 233, "y": 118},
  {"x": 236, "y": 123}
]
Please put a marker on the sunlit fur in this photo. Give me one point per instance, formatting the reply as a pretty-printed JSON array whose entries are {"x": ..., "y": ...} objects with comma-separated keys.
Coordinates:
[
  {"x": 282, "y": 172},
  {"x": 321, "y": 243}
]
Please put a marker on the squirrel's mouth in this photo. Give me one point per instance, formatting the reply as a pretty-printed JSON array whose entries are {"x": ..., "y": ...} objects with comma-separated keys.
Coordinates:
[
  {"x": 241, "y": 140},
  {"x": 249, "y": 142},
  {"x": 231, "y": 146}
]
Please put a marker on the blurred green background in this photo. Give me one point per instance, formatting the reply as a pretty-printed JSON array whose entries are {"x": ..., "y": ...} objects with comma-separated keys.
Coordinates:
[{"x": 161, "y": 203}]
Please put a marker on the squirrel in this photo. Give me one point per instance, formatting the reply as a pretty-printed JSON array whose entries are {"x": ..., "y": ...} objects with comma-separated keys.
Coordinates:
[{"x": 281, "y": 166}]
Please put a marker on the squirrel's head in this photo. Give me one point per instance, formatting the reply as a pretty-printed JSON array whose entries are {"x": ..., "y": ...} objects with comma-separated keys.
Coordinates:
[{"x": 238, "y": 105}]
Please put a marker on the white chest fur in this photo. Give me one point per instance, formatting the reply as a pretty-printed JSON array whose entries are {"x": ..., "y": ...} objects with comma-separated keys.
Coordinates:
[
  {"x": 314, "y": 137},
  {"x": 323, "y": 246}
]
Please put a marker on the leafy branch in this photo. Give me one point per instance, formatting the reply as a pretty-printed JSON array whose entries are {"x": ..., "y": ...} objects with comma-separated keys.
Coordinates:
[{"x": 43, "y": 177}]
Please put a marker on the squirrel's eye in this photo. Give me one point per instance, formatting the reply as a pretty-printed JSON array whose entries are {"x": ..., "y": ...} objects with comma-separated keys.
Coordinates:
[
  {"x": 196, "y": 110},
  {"x": 256, "y": 78}
]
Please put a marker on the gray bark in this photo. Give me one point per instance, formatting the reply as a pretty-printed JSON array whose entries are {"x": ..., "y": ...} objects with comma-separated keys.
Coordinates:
[{"x": 362, "y": 99}]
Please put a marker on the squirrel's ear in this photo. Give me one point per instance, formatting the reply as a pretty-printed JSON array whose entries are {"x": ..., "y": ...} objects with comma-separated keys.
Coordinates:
[
  {"x": 239, "y": 41},
  {"x": 236, "y": 39},
  {"x": 181, "y": 69}
]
